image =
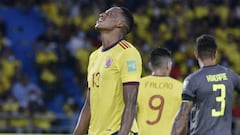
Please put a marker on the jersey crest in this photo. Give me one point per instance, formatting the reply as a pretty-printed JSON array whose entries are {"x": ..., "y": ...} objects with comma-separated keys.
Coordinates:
[{"x": 108, "y": 63}]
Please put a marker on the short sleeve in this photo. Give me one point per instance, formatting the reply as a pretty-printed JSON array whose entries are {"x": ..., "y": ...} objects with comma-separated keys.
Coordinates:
[
  {"x": 130, "y": 65},
  {"x": 90, "y": 66},
  {"x": 90, "y": 62},
  {"x": 236, "y": 80},
  {"x": 189, "y": 92}
]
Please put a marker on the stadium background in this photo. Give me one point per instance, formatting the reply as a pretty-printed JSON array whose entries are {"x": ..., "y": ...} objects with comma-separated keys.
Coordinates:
[{"x": 45, "y": 44}]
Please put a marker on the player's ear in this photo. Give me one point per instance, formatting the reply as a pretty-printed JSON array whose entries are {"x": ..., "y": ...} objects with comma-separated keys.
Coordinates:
[
  {"x": 169, "y": 65},
  {"x": 150, "y": 66},
  {"x": 120, "y": 23},
  {"x": 216, "y": 54},
  {"x": 196, "y": 54}
]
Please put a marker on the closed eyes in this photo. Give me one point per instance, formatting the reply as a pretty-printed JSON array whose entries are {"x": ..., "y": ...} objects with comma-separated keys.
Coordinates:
[{"x": 109, "y": 13}]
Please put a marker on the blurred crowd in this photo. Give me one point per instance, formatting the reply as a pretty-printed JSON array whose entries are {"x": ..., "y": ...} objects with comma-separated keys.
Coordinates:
[{"x": 62, "y": 48}]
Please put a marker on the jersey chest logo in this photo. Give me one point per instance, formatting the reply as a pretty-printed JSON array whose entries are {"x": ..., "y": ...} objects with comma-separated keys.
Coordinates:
[{"x": 108, "y": 63}]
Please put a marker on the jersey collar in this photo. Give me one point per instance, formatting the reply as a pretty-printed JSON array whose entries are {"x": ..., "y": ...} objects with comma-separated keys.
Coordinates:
[
  {"x": 105, "y": 49},
  {"x": 210, "y": 66}
]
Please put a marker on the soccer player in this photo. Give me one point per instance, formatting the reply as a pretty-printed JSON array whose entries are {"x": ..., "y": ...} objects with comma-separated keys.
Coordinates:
[
  {"x": 159, "y": 96},
  {"x": 114, "y": 72},
  {"x": 207, "y": 94}
]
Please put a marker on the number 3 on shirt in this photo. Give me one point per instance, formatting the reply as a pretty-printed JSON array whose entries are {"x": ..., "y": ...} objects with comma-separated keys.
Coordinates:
[
  {"x": 154, "y": 107},
  {"x": 220, "y": 99}
]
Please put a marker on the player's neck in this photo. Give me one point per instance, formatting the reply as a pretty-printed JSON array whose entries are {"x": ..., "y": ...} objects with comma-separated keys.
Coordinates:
[
  {"x": 110, "y": 38},
  {"x": 207, "y": 62},
  {"x": 160, "y": 73}
]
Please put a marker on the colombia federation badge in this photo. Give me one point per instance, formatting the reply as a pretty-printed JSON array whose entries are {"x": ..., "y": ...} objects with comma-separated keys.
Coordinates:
[{"x": 108, "y": 63}]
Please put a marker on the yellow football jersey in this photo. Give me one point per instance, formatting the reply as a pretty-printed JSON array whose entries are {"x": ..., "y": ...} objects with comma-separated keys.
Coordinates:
[
  {"x": 108, "y": 70},
  {"x": 158, "y": 100}
]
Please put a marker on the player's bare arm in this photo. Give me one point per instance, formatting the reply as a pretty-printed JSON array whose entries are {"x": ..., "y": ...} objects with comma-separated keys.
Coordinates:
[
  {"x": 84, "y": 118},
  {"x": 181, "y": 121},
  {"x": 130, "y": 100}
]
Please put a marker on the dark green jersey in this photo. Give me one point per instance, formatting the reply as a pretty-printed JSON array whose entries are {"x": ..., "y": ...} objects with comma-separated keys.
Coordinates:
[{"x": 211, "y": 90}]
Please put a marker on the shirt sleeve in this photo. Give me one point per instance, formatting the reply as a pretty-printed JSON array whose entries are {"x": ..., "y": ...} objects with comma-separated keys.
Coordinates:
[
  {"x": 130, "y": 65},
  {"x": 236, "y": 81},
  {"x": 90, "y": 65},
  {"x": 189, "y": 92}
]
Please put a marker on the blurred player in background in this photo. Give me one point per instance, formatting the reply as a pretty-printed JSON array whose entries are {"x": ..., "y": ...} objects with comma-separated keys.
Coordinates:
[
  {"x": 207, "y": 94},
  {"x": 114, "y": 72},
  {"x": 159, "y": 96}
]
